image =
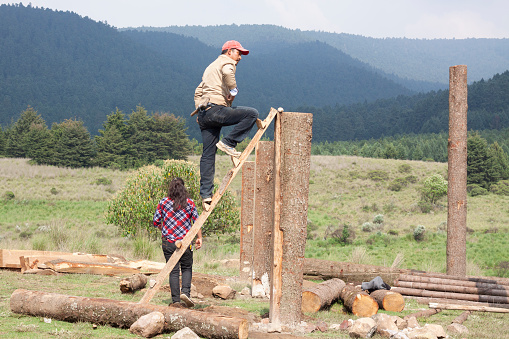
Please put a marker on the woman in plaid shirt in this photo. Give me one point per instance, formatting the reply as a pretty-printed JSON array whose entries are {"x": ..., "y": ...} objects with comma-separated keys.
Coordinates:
[{"x": 174, "y": 216}]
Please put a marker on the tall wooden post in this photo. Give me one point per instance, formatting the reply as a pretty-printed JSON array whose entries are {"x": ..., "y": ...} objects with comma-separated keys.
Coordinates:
[
  {"x": 247, "y": 220},
  {"x": 292, "y": 138},
  {"x": 263, "y": 210},
  {"x": 457, "y": 180}
]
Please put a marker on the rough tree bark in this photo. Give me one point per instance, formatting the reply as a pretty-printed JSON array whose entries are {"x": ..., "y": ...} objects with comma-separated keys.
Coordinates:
[
  {"x": 293, "y": 152},
  {"x": 389, "y": 300},
  {"x": 358, "y": 302},
  {"x": 321, "y": 295},
  {"x": 247, "y": 220},
  {"x": 123, "y": 313},
  {"x": 457, "y": 172},
  {"x": 423, "y": 314},
  {"x": 133, "y": 283}
]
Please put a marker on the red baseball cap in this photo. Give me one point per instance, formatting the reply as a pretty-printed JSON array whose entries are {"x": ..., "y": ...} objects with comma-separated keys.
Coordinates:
[{"x": 235, "y": 44}]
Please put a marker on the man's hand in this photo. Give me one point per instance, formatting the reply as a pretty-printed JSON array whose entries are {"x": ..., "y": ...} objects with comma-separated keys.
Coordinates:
[
  {"x": 198, "y": 243},
  {"x": 230, "y": 98}
]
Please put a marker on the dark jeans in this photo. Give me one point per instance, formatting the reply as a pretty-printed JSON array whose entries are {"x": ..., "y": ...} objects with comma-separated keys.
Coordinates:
[
  {"x": 210, "y": 122},
  {"x": 185, "y": 264}
]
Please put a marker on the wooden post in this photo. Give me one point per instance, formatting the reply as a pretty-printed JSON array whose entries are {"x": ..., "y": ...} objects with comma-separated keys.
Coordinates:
[
  {"x": 247, "y": 220},
  {"x": 457, "y": 169},
  {"x": 264, "y": 210},
  {"x": 292, "y": 138}
]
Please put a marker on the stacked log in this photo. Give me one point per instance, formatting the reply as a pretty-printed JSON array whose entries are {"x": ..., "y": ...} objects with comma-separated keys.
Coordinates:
[
  {"x": 474, "y": 289},
  {"x": 133, "y": 283},
  {"x": 358, "y": 301},
  {"x": 321, "y": 295}
]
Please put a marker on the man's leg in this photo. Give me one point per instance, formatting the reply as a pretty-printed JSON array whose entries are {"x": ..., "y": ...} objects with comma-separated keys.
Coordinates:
[
  {"x": 210, "y": 137},
  {"x": 186, "y": 265},
  {"x": 242, "y": 117}
]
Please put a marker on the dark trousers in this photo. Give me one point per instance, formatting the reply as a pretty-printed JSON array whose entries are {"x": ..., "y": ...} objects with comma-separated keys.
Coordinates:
[
  {"x": 185, "y": 264},
  {"x": 210, "y": 122}
]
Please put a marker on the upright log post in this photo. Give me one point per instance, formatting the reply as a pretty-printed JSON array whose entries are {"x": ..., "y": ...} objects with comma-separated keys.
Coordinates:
[
  {"x": 292, "y": 138},
  {"x": 247, "y": 220},
  {"x": 457, "y": 172},
  {"x": 263, "y": 210}
]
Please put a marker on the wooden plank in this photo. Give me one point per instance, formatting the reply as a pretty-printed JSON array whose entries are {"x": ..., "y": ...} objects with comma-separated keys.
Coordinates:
[
  {"x": 10, "y": 258},
  {"x": 205, "y": 214},
  {"x": 444, "y": 306},
  {"x": 247, "y": 220},
  {"x": 67, "y": 266}
]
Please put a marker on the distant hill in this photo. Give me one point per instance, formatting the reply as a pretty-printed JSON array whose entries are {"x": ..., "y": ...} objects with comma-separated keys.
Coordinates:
[
  {"x": 419, "y": 64},
  {"x": 68, "y": 66}
]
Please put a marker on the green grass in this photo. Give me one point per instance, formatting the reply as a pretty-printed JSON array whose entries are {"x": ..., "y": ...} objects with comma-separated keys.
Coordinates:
[{"x": 343, "y": 190}]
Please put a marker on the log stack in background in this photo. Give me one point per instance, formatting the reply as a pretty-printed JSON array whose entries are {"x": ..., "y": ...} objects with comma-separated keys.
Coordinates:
[{"x": 492, "y": 291}]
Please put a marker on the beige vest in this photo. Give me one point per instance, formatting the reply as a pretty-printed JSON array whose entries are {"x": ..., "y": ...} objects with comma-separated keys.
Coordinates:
[{"x": 217, "y": 81}]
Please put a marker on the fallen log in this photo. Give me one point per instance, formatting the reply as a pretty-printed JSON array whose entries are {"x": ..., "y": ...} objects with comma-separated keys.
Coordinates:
[
  {"x": 321, "y": 295},
  {"x": 461, "y": 318},
  {"x": 449, "y": 281},
  {"x": 39, "y": 271},
  {"x": 389, "y": 300},
  {"x": 133, "y": 283},
  {"x": 445, "y": 306},
  {"x": 451, "y": 288},
  {"x": 450, "y": 295},
  {"x": 423, "y": 314},
  {"x": 358, "y": 301},
  {"x": 347, "y": 271},
  {"x": 66, "y": 266},
  {"x": 123, "y": 313}
]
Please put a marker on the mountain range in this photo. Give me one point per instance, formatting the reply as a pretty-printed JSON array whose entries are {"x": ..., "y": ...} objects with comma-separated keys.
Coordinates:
[{"x": 68, "y": 66}]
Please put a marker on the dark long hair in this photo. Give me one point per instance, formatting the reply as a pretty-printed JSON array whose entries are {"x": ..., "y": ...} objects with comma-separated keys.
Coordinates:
[{"x": 178, "y": 193}]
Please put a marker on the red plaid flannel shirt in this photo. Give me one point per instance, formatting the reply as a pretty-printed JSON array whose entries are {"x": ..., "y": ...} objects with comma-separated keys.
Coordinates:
[{"x": 175, "y": 224}]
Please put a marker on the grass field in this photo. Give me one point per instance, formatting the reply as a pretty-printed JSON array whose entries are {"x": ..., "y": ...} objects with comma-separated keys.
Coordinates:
[{"x": 63, "y": 209}]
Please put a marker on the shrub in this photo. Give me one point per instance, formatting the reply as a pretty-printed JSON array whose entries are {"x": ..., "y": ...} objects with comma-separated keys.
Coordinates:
[
  {"x": 500, "y": 188},
  {"x": 419, "y": 232},
  {"x": 405, "y": 168},
  {"x": 9, "y": 195},
  {"x": 53, "y": 191},
  {"x": 132, "y": 209},
  {"x": 378, "y": 219},
  {"x": 425, "y": 206},
  {"x": 378, "y": 175},
  {"x": 396, "y": 185},
  {"x": 478, "y": 190},
  {"x": 102, "y": 181},
  {"x": 367, "y": 227},
  {"x": 393, "y": 232},
  {"x": 434, "y": 187},
  {"x": 411, "y": 179}
]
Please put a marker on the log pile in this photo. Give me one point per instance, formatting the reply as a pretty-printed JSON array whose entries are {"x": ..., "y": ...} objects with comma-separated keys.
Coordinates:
[
  {"x": 475, "y": 290},
  {"x": 389, "y": 300}
]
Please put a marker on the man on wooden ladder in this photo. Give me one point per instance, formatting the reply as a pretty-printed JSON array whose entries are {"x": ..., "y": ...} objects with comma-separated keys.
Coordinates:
[{"x": 213, "y": 100}]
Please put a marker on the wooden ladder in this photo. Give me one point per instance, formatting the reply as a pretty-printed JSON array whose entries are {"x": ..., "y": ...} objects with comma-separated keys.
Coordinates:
[{"x": 186, "y": 242}]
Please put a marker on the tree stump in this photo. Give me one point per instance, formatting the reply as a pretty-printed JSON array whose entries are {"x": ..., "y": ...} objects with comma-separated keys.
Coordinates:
[
  {"x": 133, "y": 283},
  {"x": 321, "y": 295},
  {"x": 358, "y": 302},
  {"x": 388, "y": 300}
]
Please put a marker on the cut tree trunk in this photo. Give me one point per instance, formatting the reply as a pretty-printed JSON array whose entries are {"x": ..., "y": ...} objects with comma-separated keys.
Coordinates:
[
  {"x": 347, "y": 271},
  {"x": 358, "y": 302},
  {"x": 444, "y": 287},
  {"x": 133, "y": 283},
  {"x": 389, "y": 300},
  {"x": 489, "y": 280},
  {"x": 123, "y": 313},
  {"x": 321, "y": 295},
  {"x": 450, "y": 295}
]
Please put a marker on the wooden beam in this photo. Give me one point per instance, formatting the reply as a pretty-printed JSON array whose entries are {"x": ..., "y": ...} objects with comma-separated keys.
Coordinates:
[
  {"x": 205, "y": 214},
  {"x": 247, "y": 220},
  {"x": 67, "y": 266},
  {"x": 10, "y": 258},
  {"x": 445, "y": 306}
]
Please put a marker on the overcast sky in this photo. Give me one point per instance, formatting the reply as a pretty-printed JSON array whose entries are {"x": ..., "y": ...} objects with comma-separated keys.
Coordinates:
[{"x": 375, "y": 18}]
